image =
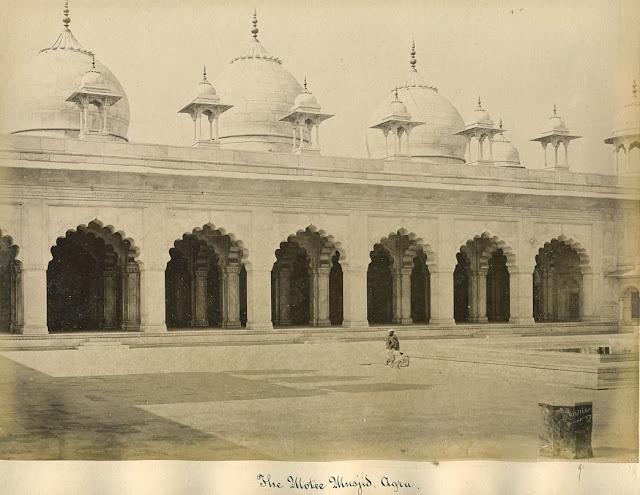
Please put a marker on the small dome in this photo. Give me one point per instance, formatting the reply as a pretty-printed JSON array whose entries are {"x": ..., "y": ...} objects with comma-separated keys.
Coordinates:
[
  {"x": 556, "y": 124},
  {"x": 205, "y": 88},
  {"x": 92, "y": 78},
  {"x": 306, "y": 99},
  {"x": 627, "y": 122},
  {"x": 398, "y": 108},
  {"x": 480, "y": 116},
  {"x": 504, "y": 152}
]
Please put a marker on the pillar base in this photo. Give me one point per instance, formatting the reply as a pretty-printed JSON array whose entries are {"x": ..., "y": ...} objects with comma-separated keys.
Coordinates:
[
  {"x": 260, "y": 326},
  {"x": 443, "y": 322},
  {"x": 322, "y": 323},
  {"x": 34, "y": 330},
  {"x": 153, "y": 328},
  {"x": 355, "y": 324},
  {"x": 232, "y": 324},
  {"x": 521, "y": 321},
  {"x": 406, "y": 321}
]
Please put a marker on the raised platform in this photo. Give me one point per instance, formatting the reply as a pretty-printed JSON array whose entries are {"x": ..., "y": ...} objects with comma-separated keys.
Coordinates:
[{"x": 220, "y": 336}]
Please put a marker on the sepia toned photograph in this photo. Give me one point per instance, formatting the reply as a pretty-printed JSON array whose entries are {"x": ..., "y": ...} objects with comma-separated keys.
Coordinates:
[{"x": 320, "y": 231}]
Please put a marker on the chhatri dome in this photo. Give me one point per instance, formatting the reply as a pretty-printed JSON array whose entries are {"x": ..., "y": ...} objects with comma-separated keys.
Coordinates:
[
  {"x": 38, "y": 103},
  {"x": 261, "y": 91},
  {"x": 504, "y": 152},
  {"x": 627, "y": 122},
  {"x": 436, "y": 139}
]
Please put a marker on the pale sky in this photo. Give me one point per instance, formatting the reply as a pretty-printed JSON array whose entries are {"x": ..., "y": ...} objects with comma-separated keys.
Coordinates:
[{"x": 519, "y": 56}]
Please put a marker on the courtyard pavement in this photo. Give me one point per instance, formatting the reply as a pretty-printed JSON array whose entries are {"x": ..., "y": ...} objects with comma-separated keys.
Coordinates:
[{"x": 314, "y": 401}]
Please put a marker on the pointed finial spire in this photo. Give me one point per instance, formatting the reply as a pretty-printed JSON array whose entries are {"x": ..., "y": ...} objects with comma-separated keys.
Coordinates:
[
  {"x": 66, "y": 19},
  {"x": 93, "y": 61},
  {"x": 634, "y": 89},
  {"x": 500, "y": 124},
  {"x": 396, "y": 93},
  {"x": 555, "y": 110},
  {"x": 254, "y": 31},
  {"x": 479, "y": 103},
  {"x": 204, "y": 73},
  {"x": 412, "y": 60},
  {"x": 305, "y": 85}
]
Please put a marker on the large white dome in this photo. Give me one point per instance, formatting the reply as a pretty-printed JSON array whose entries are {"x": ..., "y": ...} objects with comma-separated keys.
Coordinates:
[
  {"x": 435, "y": 140},
  {"x": 35, "y": 102},
  {"x": 261, "y": 91}
]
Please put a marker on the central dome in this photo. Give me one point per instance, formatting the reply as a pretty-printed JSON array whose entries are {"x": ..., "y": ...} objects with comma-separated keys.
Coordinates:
[
  {"x": 436, "y": 139},
  {"x": 36, "y": 102},
  {"x": 261, "y": 91}
]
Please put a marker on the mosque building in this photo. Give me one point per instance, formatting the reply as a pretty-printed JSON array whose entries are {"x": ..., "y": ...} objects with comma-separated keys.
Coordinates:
[{"x": 250, "y": 226}]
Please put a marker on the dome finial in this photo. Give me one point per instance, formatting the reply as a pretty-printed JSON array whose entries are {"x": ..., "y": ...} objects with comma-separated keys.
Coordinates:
[
  {"x": 305, "y": 84},
  {"x": 555, "y": 110},
  {"x": 412, "y": 60},
  {"x": 66, "y": 19},
  {"x": 204, "y": 73},
  {"x": 93, "y": 61},
  {"x": 634, "y": 89},
  {"x": 255, "y": 30},
  {"x": 396, "y": 92},
  {"x": 479, "y": 103},
  {"x": 500, "y": 124}
]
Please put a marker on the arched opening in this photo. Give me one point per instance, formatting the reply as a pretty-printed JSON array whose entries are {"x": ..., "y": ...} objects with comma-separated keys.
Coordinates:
[
  {"x": 461, "y": 289},
  {"x": 498, "y": 288},
  {"x": 399, "y": 281},
  {"x": 93, "y": 282},
  {"x": 380, "y": 286},
  {"x": 481, "y": 289},
  {"x": 10, "y": 287},
  {"x": 557, "y": 283},
  {"x": 306, "y": 281},
  {"x": 335, "y": 291},
  {"x": 290, "y": 286},
  {"x": 420, "y": 289},
  {"x": 205, "y": 282}
]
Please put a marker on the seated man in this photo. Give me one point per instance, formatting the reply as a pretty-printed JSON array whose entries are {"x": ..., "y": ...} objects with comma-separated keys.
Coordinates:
[{"x": 393, "y": 347}]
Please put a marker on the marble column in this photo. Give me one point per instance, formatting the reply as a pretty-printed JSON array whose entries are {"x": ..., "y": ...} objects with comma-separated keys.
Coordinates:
[
  {"x": 199, "y": 304},
  {"x": 152, "y": 300},
  {"x": 473, "y": 297},
  {"x": 520, "y": 297},
  {"x": 131, "y": 297},
  {"x": 259, "y": 297},
  {"x": 283, "y": 302},
  {"x": 354, "y": 296},
  {"x": 396, "y": 296},
  {"x": 232, "y": 302},
  {"x": 109, "y": 299},
  {"x": 323, "y": 297},
  {"x": 34, "y": 286},
  {"x": 442, "y": 296},
  {"x": 481, "y": 293},
  {"x": 17, "y": 310},
  {"x": 587, "y": 312},
  {"x": 405, "y": 309}
]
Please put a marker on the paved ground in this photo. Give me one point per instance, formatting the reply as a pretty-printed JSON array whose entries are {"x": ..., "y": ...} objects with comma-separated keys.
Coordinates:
[{"x": 297, "y": 401}]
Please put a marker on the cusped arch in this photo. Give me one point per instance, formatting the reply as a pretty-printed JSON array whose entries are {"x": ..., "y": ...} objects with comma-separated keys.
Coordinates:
[
  {"x": 583, "y": 256},
  {"x": 494, "y": 243},
  {"x": 330, "y": 244},
  {"x": 105, "y": 232},
  {"x": 9, "y": 240},
  {"x": 415, "y": 244},
  {"x": 237, "y": 246}
]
